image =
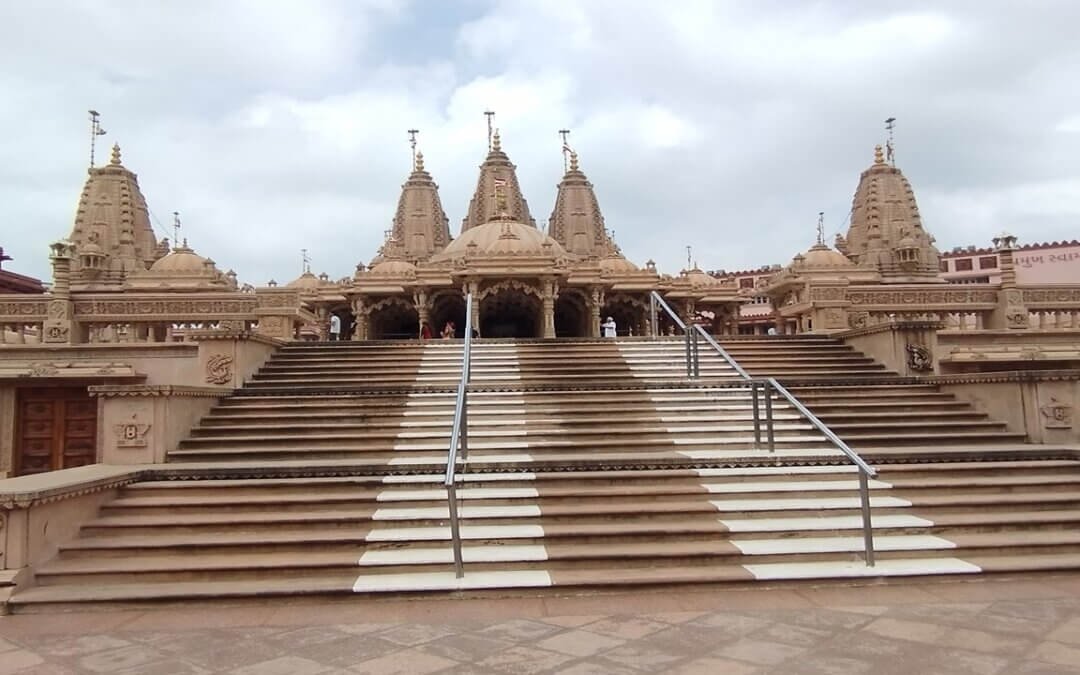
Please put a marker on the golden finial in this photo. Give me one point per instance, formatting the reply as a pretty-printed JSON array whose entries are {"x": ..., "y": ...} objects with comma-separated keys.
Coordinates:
[
  {"x": 419, "y": 161},
  {"x": 573, "y": 161},
  {"x": 496, "y": 143},
  {"x": 879, "y": 156},
  {"x": 115, "y": 161}
]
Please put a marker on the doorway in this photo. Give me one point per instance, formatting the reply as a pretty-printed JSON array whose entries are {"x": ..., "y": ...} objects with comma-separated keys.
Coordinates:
[{"x": 55, "y": 428}]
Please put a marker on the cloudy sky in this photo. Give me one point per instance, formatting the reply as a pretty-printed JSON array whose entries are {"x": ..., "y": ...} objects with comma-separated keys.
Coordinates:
[{"x": 274, "y": 126}]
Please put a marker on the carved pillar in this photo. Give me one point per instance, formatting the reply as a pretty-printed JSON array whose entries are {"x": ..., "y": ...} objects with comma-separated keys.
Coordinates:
[
  {"x": 1010, "y": 311},
  {"x": 596, "y": 303},
  {"x": 361, "y": 313},
  {"x": 551, "y": 290},
  {"x": 420, "y": 301},
  {"x": 689, "y": 308},
  {"x": 59, "y": 326},
  {"x": 324, "y": 323},
  {"x": 473, "y": 286}
]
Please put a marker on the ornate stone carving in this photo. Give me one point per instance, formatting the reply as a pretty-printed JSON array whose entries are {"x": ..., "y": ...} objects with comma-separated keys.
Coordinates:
[
  {"x": 834, "y": 318},
  {"x": 43, "y": 369},
  {"x": 919, "y": 358},
  {"x": 219, "y": 369},
  {"x": 922, "y": 297},
  {"x": 858, "y": 319},
  {"x": 827, "y": 294},
  {"x": 1016, "y": 317},
  {"x": 1056, "y": 415},
  {"x": 131, "y": 434},
  {"x": 200, "y": 308},
  {"x": 23, "y": 308}
]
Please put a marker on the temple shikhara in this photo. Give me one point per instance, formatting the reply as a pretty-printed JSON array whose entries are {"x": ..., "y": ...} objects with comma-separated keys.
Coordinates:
[{"x": 513, "y": 403}]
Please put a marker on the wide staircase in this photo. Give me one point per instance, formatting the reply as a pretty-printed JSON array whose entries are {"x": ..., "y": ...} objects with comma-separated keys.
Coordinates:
[{"x": 591, "y": 464}]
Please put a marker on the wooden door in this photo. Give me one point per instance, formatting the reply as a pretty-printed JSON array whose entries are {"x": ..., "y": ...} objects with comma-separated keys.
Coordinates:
[{"x": 56, "y": 428}]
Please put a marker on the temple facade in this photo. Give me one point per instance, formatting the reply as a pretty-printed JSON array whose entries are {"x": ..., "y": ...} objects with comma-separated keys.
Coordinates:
[
  {"x": 128, "y": 316},
  {"x": 524, "y": 282}
]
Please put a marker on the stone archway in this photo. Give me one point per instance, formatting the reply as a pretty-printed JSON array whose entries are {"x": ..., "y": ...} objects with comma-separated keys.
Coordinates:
[
  {"x": 393, "y": 319},
  {"x": 447, "y": 306},
  {"x": 571, "y": 315},
  {"x": 511, "y": 310},
  {"x": 630, "y": 314}
]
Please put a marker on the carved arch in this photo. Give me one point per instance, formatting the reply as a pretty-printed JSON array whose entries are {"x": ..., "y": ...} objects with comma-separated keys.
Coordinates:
[{"x": 511, "y": 285}]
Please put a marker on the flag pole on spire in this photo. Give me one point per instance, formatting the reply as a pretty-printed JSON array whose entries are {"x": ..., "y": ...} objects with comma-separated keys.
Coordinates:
[
  {"x": 490, "y": 114},
  {"x": 890, "y": 152},
  {"x": 565, "y": 149},
  {"x": 95, "y": 131},
  {"x": 412, "y": 144}
]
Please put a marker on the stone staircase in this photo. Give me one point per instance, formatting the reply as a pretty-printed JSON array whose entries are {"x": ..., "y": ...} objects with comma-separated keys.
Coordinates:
[
  {"x": 592, "y": 464},
  {"x": 860, "y": 399}
]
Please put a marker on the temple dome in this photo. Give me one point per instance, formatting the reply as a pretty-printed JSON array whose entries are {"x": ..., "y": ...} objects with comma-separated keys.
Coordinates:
[
  {"x": 502, "y": 238},
  {"x": 822, "y": 256},
  {"x": 182, "y": 260},
  {"x": 617, "y": 265},
  {"x": 394, "y": 268},
  {"x": 305, "y": 281},
  {"x": 696, "y": 277}
]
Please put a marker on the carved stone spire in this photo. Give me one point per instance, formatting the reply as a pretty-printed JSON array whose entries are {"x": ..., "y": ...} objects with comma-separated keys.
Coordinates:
[
  {"x": 112, "y": 232},
  {"x": 498, "y": 176},
  {"x": 421, "y": 227},
  {"x": 576, "y": 221},
  {"x": 886, "y": 232}
]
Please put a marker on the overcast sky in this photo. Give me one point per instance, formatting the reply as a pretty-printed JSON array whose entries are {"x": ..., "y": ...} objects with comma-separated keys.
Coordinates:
[{"x": 274, "y": 126}]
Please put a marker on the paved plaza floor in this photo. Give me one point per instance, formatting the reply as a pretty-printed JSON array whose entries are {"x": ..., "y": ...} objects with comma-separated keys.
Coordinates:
[{"x": 984, "y": 626}]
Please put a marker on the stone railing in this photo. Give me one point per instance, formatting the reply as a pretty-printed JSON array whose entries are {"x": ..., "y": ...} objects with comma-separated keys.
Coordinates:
[
  {"x": 133, "y": 318},
  {"x": 22, "y": 318},
  {"x": 1052, "y": 307}
]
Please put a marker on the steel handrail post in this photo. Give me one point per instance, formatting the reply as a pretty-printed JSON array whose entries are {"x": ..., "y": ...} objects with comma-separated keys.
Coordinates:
[
  {"x": 866, "y": 472},
  {"x": 689, "y": 367},
  {"x": 868, "y": 528},
  {"x": 459, "y": 434},
  {"x": 770, "y": 428},
  {"x": 724, "y": 353},
  {"x": 757, "y": 415},
  {"x": 654, "y": 330},
  {"x": 455, "y": 531}
]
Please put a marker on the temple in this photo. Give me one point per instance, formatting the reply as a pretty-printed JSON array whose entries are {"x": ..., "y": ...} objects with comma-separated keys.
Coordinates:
[{"x": 170, "y": 433}]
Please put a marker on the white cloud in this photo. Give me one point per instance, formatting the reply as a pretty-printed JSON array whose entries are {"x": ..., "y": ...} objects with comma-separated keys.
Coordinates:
[{"x": 278, "y": 126}]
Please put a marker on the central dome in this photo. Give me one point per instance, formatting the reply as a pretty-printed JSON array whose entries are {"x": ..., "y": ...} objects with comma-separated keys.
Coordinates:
[
  {"x": 502, "y": 238},
  {"x": 181, "y": 260},
  {"x": 823, "y": 256}
]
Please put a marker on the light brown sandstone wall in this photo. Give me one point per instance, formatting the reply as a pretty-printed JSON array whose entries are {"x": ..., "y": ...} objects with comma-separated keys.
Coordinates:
[{"x": 1044, "y": 410}]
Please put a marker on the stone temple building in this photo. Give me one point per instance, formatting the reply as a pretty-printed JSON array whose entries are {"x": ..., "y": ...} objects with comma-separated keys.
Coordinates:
[
  {"x": 525, "y": 282},
  {"x": 167, "y": 433}
]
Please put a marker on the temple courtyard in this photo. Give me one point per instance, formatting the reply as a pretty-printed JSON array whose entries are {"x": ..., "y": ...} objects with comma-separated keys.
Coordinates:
[{"x": 1014, "y": 624}]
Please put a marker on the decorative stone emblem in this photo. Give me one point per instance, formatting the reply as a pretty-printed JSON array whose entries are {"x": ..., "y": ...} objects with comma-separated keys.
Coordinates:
[
  {"x": 43, "y": 369},
  {"x": 1016, "y": 318},
  {"x": 131, "y": 435},
  {"x": 919, "y": 358},
  {"x": 219, "y": 369},
  {"x": 1056, "y": 415},
  {"x": 858, "y": 319}
]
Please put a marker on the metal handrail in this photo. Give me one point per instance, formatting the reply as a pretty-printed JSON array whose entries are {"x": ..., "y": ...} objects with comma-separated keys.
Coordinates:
[
  {"x": 693, "y": 369},
  {"x": 459, "y": 435},
  {"x": 866, "y": 472}
]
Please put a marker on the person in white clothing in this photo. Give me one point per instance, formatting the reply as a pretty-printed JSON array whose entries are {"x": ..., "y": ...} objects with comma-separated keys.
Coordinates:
[
  {"x": 335, "y": 327},
  {"x": 608, "y": 327}
]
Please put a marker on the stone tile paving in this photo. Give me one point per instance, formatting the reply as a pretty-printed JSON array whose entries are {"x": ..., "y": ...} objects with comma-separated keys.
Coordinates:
[{"x": 1027, "y": 625}]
